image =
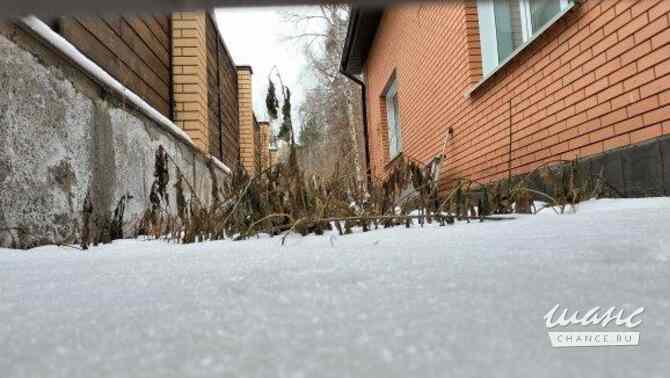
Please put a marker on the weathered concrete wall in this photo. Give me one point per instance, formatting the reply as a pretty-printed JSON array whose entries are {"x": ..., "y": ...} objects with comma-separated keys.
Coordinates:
[{"x": 62, "y": 137}]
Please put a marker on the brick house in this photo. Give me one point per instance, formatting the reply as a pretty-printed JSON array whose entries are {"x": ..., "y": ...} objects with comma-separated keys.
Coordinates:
[{"x": 502, "y": 87}]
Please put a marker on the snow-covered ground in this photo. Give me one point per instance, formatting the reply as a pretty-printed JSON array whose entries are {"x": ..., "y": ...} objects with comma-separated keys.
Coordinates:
[{"x": 460, "y": 301}]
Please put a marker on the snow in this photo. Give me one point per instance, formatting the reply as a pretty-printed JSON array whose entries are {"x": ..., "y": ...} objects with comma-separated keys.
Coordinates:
[
  {"x": 70, "y": 51},
  {"x": 461, "y": 301},
  {"x": 220, "y": 164}
]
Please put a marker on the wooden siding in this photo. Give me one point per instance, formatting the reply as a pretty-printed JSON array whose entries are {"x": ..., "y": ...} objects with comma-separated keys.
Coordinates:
[
  {"x": 135, "y": 50},
  {"x": 224, "y": 131}
]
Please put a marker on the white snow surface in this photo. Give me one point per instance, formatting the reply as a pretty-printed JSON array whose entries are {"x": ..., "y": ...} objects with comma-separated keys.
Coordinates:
[
  {"x": 459, "y": 301},
  {"x": 220, "y": 164}
]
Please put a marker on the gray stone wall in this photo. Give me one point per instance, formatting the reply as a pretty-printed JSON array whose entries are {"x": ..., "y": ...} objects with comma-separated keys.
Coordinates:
[
  {"x": 64, "y": 137},
  {"x": 640, "y": 170}
]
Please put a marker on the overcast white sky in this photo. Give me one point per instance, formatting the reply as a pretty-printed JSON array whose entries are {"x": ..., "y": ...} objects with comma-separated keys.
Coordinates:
[{"x": 257, "y": 37}]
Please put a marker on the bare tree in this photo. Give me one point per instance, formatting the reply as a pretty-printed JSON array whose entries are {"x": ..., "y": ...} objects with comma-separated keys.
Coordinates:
[{"x": 332, "y": 111}]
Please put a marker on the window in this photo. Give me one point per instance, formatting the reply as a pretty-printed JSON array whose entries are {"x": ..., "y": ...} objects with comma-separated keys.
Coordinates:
[
  {"x": 393, "y": 119},
  {"x": 506, "y": 25}
]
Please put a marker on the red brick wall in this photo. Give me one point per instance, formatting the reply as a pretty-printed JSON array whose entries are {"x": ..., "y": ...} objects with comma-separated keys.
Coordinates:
[{"x": 597, "y": 79}]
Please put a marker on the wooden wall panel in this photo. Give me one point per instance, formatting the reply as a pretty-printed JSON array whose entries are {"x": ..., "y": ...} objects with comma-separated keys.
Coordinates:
[
  {"x": 224, "y": 130},
  {"x": 135, "y": 50},
  {"x": 215, "y": 140},
  {"x": 229, "y": 107}
]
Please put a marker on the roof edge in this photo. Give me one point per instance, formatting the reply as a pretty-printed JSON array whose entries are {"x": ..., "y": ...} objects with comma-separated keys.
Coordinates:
[
  {"x": 362, "y": 28},
  {"x": 353, "y": 19},
  {"x": 244, "y": 67}
]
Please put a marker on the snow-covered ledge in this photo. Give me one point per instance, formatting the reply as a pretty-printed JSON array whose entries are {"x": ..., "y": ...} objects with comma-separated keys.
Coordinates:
[
  {"x": 218, "y": 163},
  {"x": 99, "y": 74}
]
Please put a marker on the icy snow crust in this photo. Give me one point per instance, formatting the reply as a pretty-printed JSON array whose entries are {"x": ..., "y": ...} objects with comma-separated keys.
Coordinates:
[{"x": 460, "y": 301}]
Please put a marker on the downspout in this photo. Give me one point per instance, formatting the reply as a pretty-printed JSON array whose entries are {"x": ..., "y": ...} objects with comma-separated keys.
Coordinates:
[{"x": 364, "y": 105}]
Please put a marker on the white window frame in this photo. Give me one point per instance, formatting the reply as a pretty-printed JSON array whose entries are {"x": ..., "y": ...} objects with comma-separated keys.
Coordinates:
[
  {"x": 491, "y": 61},
  {"x": 393, "y": 120},
  {"x": 526, "y": 24}
]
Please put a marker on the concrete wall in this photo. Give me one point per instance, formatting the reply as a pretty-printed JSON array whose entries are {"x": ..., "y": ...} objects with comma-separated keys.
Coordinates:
[
  {"x": 64, "y": 136},
  {"x": 597, "y": 80}
]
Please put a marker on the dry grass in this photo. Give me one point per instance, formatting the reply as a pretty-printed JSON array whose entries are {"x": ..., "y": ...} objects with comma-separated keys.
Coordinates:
[{"x": 282, "y": 200}]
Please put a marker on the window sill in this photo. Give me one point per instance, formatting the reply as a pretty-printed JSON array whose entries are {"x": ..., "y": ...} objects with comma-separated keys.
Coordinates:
[{"x": 521, "y": 48}]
